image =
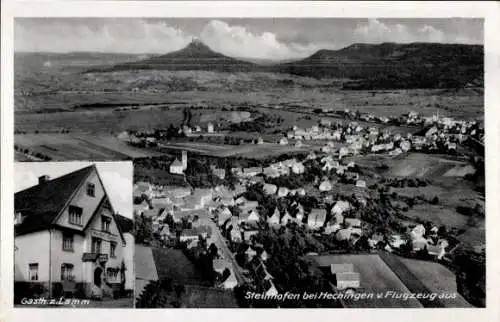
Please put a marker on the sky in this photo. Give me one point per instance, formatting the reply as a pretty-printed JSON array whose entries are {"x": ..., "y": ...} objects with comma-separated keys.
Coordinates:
[
  {"x": 117, "y": 178},
  {"x": 259, "y": 38}
]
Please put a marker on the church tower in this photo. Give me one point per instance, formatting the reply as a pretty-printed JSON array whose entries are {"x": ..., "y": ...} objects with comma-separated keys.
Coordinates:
[{"x": 184, "y": 159}]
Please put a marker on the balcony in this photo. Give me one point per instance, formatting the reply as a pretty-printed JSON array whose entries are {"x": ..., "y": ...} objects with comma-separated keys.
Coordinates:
[{"x": 94, "y": 257}]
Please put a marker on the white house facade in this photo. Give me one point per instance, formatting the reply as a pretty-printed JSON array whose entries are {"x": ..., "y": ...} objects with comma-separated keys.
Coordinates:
[{"x": 67, "y": 238}]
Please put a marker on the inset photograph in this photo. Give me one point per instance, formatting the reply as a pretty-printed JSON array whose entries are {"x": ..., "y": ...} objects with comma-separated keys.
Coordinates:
[{"x": 73, "y": 244}]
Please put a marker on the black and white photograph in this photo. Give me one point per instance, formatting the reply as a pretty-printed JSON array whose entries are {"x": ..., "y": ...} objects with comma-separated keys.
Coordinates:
[
  {"x": 74, "y": 243},
  {"x": 277, "y": 162}
]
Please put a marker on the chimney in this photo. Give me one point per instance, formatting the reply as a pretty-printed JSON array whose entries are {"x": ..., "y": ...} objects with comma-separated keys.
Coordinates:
[{"x": 43, "y": 179}]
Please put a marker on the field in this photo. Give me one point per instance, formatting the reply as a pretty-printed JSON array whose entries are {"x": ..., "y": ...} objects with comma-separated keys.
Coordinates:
[
  {"x": 70, "y": 146},
  {"x": 438, "y": 215},
  {"x": 256, "y": 151},
  {"x": 47, "y": 99},
  {"x": 376, "y": 276},
  {"x": 423, "y": 166},
  {"x": 426, "y": 277},
  {"x": 437, "y": 278},
  {"x": 172, "y": 263},
  {"x": 98, "y": 120},
  {"x": 205, "y": 297}
]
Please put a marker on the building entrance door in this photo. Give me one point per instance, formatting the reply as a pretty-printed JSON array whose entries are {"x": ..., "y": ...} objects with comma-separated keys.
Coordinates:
[{"x": 97, "y": 277}]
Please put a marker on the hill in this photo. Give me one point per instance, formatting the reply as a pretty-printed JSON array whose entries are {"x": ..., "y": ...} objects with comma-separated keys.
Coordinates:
[
  {"x": 195, "y": 56},
  {"x": 367, "y": 66},
  {"x": 391, "y": 65}
]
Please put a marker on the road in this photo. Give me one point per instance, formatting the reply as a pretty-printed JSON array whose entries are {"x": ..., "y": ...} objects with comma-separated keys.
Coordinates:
[{"x": 220, "y": 242}]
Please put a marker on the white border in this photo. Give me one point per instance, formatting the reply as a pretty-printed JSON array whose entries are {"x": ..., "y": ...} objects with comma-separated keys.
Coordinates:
[{"x": 488, "y": 10}]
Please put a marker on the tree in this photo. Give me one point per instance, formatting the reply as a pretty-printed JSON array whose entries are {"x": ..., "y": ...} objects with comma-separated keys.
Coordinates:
[
  {"x": 143, "y": 229},
  {"x": 213, "y": 250},
  {"x": 435, "y": 200},
  {"x": 169, "y": 220}
]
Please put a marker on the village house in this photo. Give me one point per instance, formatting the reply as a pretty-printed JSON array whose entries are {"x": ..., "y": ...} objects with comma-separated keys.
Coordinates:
[
  {"x": 361, "y": 184},
  {"x": 275, "y": 218},
  {"x": 67, "y": 236},
  {"x": 417, "y": 232},
  {"x": 375, "y": 239},
  {"x": 223, "y": 215},
  {"x": 193, "y": 233},
  {"x": 248, "y": 232},
  {"x": 396, "y": 152},
  {"x": 126, "y": 226},
  {"x": 325, "y": 185},
  {"x": 340, "y": 208},
  {"x": 286, "y": 218},
  {"x": 316, "y": 218},
  {"x": 143, "y": 190},
  {"x": 235, "y": 235},
  {"x": 344, "y": 276},
  {"x": 352, "y": 222},
  {"x": 240, "y": 201},
  {"x": 261, "y": 252},
  {"x": 250, "y": 253},
  {"x": 219, "y": 173},
  {"x": 252, "y": 171},
  {"x": 249, "y": 205},
  {"x": 237, "y": 171},
  {"x": 343, "y": 152},
  {"x": 298, "y": 168},
  {"x": 270, "y": 189},
  {"x": 331, "y": 228},
  {"x": 343, "y": 234},
  {"x": 283, "y": 141},
  {"x": 396, "y": 241},
  {"x": 210, "y": 128},
  {"x": 164, "y": 232},
  {"x": 253, "y": 216},
  {"x": 311, "y": 156},
  {"x": 283, "y": 192},
  {"x": 269, "y": 288},
  {"x": 299, "y": 216},
  {"x": 271, "y": 172},
  {"x": 176, "y": 167}
]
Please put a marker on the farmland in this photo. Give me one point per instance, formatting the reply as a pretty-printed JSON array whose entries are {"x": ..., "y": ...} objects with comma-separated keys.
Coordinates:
[
  {"x": 172, "y": 263},
  {"x": 245, "y": 150},
  {"x": 436, "y": 278},
  {"x": 423, "y": 166},
  {"x": 62, "y": 147},
  {"x": 438, "y": 215},
  {"x": 375, "y": 276}
]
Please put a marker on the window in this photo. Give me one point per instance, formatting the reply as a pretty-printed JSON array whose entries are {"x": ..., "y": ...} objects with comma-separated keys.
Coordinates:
[
  {"x": 33, "y": 272},
  {"x": 91, "y": 189},
  {"x": 18, "y": 218},
  {"x": 105, "y": 223},
  {"x": 68, "y": 242},
  {"x": 67, "y": 272},
  {"x": 112, "y": 250},
  {"x": 106, "y": 205},
  {"x": 75, "y": 215},
  {"x": 96, "y": 245}
]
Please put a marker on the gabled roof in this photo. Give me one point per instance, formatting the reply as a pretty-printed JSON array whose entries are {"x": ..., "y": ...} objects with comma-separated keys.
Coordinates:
[
  {"x": 176, "y": 163},
  {"x": 126, "y": 224},
  {"x": 41, "y": 204}
]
